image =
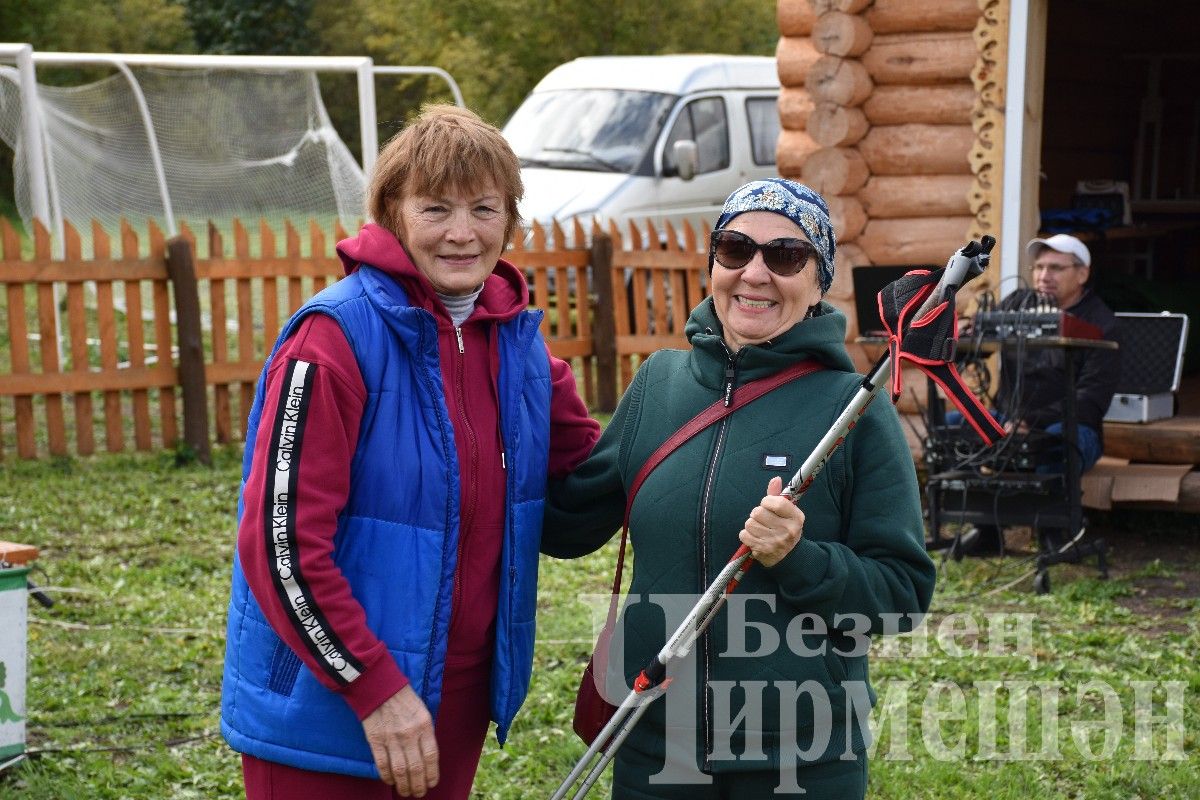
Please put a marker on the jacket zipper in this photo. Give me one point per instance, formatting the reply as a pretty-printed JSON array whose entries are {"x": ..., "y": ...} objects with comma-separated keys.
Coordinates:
[
  {"x": 467, "y": 512},
  {"x": 705, "y": 523},
  {"x": 705, "y": 638},
  {"x": 730, "y": 374}
]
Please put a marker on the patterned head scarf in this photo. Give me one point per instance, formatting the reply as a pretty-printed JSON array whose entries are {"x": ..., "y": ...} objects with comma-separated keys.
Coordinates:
[{"x": 798, "y": 203}]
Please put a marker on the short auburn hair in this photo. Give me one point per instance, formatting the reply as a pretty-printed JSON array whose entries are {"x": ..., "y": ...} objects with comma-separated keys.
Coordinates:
[{"x": 444, "y": 148}]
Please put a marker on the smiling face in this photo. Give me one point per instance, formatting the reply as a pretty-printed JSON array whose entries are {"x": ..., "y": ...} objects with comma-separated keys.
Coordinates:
[
  {"x": 753, "y": 303},
  {"x": 454, "y": 238}
]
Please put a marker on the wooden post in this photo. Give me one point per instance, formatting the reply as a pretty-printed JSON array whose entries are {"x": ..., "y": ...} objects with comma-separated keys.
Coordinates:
[
  {"x": 604, "y": 330},
  {"x": 192, "y": 381}
]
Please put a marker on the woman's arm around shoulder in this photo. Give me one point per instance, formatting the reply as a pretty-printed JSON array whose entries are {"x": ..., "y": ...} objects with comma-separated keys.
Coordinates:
[
  {"x": 585, "y": 507},
  {"x": 573, "y": 433}
]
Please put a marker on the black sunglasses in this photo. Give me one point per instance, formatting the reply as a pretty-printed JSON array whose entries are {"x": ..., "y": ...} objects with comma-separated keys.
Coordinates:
[{"x": 784, "y": 257}]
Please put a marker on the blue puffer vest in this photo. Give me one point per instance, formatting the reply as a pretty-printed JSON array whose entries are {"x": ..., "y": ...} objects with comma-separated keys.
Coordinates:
[{"x": 397, "y": 547}]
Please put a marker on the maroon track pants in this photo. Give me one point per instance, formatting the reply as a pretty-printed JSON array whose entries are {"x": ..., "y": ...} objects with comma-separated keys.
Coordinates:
[{"x": 460, "y": 728}]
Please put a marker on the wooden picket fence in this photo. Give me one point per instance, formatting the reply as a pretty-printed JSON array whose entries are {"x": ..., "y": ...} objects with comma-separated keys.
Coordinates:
[{"x": 150, "y": 346}]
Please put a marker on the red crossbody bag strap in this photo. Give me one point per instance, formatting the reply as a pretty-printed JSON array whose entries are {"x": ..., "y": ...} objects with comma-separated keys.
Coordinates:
[{"x": 714, "y": 413}]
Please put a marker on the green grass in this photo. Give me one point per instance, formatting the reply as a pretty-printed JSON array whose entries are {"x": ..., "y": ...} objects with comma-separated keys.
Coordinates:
[{"x": 125, "y": 669}]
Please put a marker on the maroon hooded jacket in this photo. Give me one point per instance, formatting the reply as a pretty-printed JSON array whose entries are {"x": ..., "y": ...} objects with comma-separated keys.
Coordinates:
[{"x": 470, "y": 365}]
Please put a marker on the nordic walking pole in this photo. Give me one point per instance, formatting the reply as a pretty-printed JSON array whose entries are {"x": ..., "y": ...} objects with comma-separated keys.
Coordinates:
[{"x": 652, "y": 683}]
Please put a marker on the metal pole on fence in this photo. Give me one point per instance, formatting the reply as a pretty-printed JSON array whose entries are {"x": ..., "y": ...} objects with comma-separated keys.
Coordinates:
[
  {"x": 367, "y": 123},
  {"x": 604, "y": 329},
  {"x": 182, "y": 272},
  {"x": 31, "y": 130}
]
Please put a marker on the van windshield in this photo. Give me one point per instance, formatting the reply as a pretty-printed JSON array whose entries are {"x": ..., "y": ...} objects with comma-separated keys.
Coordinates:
[{"x": 603, "y": 130}]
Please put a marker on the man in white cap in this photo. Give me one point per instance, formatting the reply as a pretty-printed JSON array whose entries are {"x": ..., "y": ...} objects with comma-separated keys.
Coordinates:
[
  {"x": 1033, "y": 380},
  {"x": 1061, "y": 267}
]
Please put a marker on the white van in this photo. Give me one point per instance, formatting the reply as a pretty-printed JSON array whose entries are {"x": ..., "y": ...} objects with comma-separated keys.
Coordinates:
[{"x": 635, "y": 137}]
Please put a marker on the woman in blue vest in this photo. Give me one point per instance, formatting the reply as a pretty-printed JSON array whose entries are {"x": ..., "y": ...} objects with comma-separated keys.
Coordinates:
[{"x": 398, "y": 449}]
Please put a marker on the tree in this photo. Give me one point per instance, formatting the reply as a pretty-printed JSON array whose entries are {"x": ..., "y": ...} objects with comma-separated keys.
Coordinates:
[
  {"x": 107, "y": 26},
  {"x": 498, "y": 49},
  {"x": 252, "y": 27}
]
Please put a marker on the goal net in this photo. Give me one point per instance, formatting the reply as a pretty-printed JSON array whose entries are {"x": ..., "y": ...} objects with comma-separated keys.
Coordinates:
[{"x": 234, "y": 143}]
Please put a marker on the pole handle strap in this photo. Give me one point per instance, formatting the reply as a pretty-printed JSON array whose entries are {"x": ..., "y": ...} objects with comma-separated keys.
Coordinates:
[{"x": 928, "y": 342}]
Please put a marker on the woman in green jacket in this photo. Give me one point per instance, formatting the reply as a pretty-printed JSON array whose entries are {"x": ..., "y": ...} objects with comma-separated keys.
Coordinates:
[{"x": 773, "y": 700}]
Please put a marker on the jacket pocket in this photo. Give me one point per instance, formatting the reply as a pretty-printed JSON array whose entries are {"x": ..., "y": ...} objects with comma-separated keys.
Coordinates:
[
  {"x": 835, "y": 664},
  {"x": 285, "y": 665}
]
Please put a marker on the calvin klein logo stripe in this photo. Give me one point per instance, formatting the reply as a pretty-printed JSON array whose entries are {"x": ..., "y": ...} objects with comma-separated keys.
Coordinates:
[{"x": 282, "y": 475}]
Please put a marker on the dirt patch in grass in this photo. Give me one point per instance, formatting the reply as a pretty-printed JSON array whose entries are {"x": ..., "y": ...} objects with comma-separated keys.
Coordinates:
[
  {"x": 1159, "y": 554},
  {"x": 1156, "y": 554}
]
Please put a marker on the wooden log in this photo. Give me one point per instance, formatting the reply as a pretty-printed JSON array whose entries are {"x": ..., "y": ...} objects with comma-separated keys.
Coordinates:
[
  {"x": 847, "y": 308},
  {"x": 905, "y": 16},
  {"x": 792, "y": 150},
  {"x": 1167, "y": 441},
  {"x": 841, "y": 34},
  {"x": 835, "y": 170},
  {"x": 846, "y": 6},
  {"x": 847, "y": 215},
  {"x": 832, "y": 125},
  {"x": 794, "y": 58},
  {"x": 936, "y": 105},
  {"x": 918, "y": 149},
  {"x": 911, "y": 403},
  {"x": 842, "y": 81},
  {"x": 795, "y": 17},
  {"x": 913, "y": 423},
  {"x": 848, "y": 256},
  {"x": 921, "y": 58},
  {"x": 914, "y": 240},
  {"x": 795, "y": 106},
  {"x": 890, "y": 196},
  {"x": 861, "y": 357}
]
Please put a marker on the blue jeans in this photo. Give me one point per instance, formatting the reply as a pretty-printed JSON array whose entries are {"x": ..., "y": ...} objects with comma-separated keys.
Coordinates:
[{"x": 1087, "y": 439}]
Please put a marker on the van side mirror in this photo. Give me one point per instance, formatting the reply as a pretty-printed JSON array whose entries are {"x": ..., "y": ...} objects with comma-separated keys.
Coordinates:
[{"x": 686, "y": 157}]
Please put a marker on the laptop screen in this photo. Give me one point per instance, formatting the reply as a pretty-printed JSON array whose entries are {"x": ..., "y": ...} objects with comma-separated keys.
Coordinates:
[{"x": 868, "y": 280}]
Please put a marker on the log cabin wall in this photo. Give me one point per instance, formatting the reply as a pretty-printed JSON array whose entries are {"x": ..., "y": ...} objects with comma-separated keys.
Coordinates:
[{"x": 892, "y": 110}]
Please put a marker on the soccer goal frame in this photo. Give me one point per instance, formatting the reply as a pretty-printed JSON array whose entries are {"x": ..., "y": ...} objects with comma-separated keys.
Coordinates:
[{"x": 41, "y": 171}]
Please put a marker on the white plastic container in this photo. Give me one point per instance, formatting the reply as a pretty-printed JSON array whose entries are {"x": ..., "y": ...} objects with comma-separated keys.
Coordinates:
[{"x": 14, "y": 594}]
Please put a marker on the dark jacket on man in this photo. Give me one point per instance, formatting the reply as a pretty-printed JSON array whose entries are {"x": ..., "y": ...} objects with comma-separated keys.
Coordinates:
[{"x": 1033, "y": 380}]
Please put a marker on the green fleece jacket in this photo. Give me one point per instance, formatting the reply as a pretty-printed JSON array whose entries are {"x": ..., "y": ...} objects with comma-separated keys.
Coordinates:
[{"x": 790, "y": 646}]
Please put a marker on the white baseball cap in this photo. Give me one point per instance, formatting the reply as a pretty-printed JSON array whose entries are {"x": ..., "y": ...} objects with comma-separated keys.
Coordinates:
[{"x": 1063, "y": 243}]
